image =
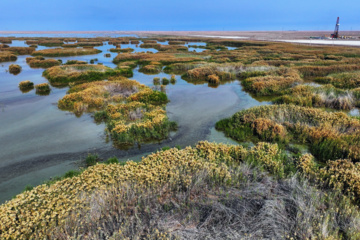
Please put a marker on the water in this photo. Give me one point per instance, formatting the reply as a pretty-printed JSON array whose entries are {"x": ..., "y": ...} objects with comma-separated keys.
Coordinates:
[{"x": 39, "y": 141}]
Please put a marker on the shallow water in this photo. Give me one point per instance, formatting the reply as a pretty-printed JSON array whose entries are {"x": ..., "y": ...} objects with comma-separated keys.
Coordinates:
[{"x": 39, "y": 141}]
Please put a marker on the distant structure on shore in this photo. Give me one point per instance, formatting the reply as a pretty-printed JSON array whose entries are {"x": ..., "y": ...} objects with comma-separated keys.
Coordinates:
[{"x": 336, "y": 31}]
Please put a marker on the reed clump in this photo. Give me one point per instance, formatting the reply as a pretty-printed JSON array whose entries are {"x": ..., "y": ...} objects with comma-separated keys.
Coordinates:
[
  {"x": 324, "y": 96},
  {"x": 71, "y": 62},
  {"x": 64, "y": 52},
  {"x": 176, "y": 42},
  {"x": 165, "y": 81},
  {"x": 330, "y": 135},
  {"x": 173, "y": 79},
  {"x": 63, "y": 75},
  {"x": 163, "y": 58},
  {"x": 6, "y": 56},
  {"x": 151, "y": 69},
  {"x": 26, "y": 85},
  {"x": 132, "y": 112},
  {"x": 70, "y": 45},
  {"x": 42, "y": 89},
  {"x": 48, "y": 43},
  {"x": 150, "y": 45},
  {"x": 21, "y": 50},
  {"x": 210, "y": 72},
  {"x": 122, "y": 50},
  {"x": 14, "y": 69},
  {"x": 156, "y": 81},
  {"x": 42, "y": 63},
  {"x": 273, "y": 82},
  {"x": 345, "y": 80}
]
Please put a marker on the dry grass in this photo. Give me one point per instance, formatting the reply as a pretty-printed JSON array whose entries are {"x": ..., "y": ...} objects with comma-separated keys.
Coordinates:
[
  {"x": 42, "y": 89},
  {"x": 133, "y": 112},
  {"x": 121, "y": 50},
  {"x": 164, "y": 58},
  {"x": 26, "y": 85},
  {"x": 63, "y": 75},
  {"x": 273, "y": 82},
  {"x": 324, "y": 96},
  {"x": 342, "y": 80},
  {"x": 329, "y": 135},
  {"x": 21, "y": 50},
  {"x": 42, "y": 63},
  {"x": 63, "y": 52},
  {"x": 14, "y": 69},
  {"x": 6, "y": 56}
]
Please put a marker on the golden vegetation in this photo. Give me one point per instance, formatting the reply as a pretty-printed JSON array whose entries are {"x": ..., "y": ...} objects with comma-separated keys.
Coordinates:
[
  {"x": 329, "y": 135},
  {"x": 6, "y": 56},
  {"x": 323, "y": 96},
  {"x": 36, "y": 62},
  {"x": 63, "y": 52},
  {"x": 26, "y": 85},
  {"x": 42, "y": 89},
  {"x": 63, "y": 75},
  {"x": 21, "y": 50},
  {"x": 273, "y": 82},
  {"x": 14, "y": 69},
  {"x": 163, "y": 58},
  {"x": 133, "y": 112}
]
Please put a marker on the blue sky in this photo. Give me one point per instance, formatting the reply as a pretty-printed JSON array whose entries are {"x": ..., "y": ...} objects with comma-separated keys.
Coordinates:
[{"x": 192, "y": 15}]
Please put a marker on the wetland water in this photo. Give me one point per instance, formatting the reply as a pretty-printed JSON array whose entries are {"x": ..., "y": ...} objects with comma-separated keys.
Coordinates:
[{"x": 39, "y": 141}]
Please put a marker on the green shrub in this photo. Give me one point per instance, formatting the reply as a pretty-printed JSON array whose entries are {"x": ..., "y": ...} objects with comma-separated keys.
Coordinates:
[{"x": 91, "y": 160}]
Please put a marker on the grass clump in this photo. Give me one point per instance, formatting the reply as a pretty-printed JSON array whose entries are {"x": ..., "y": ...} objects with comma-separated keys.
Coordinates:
[
  {"x": 64, "y": 52},
  {"x": 6, "y": 56},
  {"x": 156, "y": 81},
  {"x": 72, "y": 62},
  {"x": 122, "y": 50},
  {"x": 329, "y": 135},
  {"x": 345, "y": 80},
  {"x": 63, "y": 75},
  {"x": 14, "y": 69},
  {"x": 213, "y": 72},
  {"x": 176, "y": 42},
  {"x": 173, "y": 79},
  {"x": 91, "y": 160},
  {"x": 165, "y": 81},
  {"x": 42, "y": 89},
  {"x": 132, "y": 112},
  {"x": 151, "y": 69},
  {"x": 325, "y": 96},
  {"x": 21, "y": 50},
  {"x": 42, "y": 63},
  {"x": 163, "y": 58},
  {"x": 273, "y": 83},
  {"x": 26, "y": 85}
]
